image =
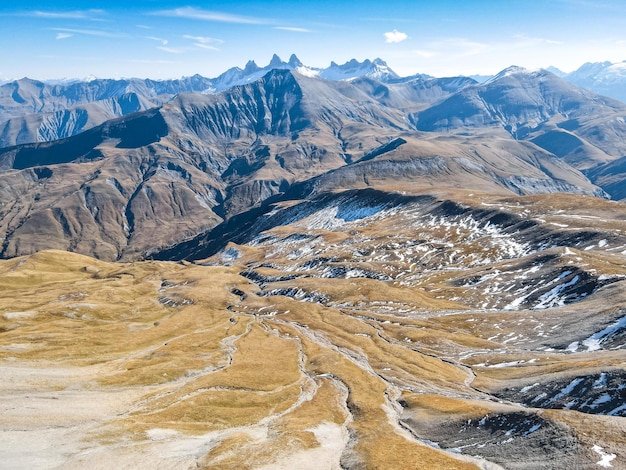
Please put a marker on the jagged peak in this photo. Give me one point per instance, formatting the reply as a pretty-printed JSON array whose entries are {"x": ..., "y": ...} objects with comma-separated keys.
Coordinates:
[
  {"x": 276, "y": 61},
  {"x": 251, "y": 66},
  {"x": 355, "y": 63},
  {"x": 279, "y": 75},
  {"x": 294, "y": 61}
]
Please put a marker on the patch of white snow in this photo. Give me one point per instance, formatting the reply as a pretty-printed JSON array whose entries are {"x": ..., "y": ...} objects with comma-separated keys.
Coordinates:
[{"x": 606, "y": 459}]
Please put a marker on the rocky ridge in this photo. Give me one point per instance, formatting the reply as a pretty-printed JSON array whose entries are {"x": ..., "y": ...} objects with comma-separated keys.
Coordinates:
[{"x": 199, "y": 160}]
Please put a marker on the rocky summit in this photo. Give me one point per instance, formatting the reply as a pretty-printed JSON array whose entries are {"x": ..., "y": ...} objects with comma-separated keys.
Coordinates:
[{"x": 288, "y": 267}]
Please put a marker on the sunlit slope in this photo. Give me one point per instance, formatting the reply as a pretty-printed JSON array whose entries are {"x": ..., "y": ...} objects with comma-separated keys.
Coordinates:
[
  {"x": 411, "y": 333},
  {"x": 166, "y": 335}
]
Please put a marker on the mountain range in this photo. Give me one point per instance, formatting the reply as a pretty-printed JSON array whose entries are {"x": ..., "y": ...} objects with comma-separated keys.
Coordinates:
[
  {"x": 200, "y": 159},
  {"x": 286, "y": 267},
  {"x": 605, "y": 78},
  {"x": 35, "y": 111}
]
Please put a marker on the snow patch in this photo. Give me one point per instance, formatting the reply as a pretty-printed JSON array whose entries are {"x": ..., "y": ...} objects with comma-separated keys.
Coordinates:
[
  {"x": 553, "y": 297},
  {"x": 606, "y": 459},
  {"x": 593, "y": 342}
]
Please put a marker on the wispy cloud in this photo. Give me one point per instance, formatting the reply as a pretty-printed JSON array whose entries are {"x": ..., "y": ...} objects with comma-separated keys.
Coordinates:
[
  {"x": 206, "y": 46},
  {"x": 163, "y": 42},
  {"x": 395, "y": 36},
  {"x": 293, "y": 29},
  {"x": 173, "y": 50},
  {"x": 69, "y": 15},
  {"x": 205, "y": 42},
  {"x": 206, "y": 15},
  {"x": 91, "y": 32},
  {"x": 204, "y": 39},
  {"x": 64, "y": 35}
]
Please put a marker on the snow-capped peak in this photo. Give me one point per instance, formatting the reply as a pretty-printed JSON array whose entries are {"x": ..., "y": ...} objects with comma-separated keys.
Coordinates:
[
  {"x": 352, "y": 69},
  {"x": 512, "y": 71}
]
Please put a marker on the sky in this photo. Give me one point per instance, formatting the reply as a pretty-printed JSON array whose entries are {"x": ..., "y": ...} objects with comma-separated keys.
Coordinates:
[{"x": 169, "y": 39}]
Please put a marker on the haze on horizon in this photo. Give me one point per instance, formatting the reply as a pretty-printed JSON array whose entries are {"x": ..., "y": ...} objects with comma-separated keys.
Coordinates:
[{"x": 170, "y": 39}]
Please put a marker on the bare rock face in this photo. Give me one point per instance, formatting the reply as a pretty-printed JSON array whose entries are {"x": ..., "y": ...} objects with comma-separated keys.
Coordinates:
[{"x": 146, "y": 181}]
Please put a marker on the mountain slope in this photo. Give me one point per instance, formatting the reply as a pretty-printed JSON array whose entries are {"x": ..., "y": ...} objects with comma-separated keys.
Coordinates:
[
  {"x": 26, "y": 96},
  {"x": 364, "y": 329},
  {"x": 199, "y": 160},
  {"x": 45, "y": 127},
  {"x": 181, "y": 167},
  {"x": 34, "y": 111},
  {"x": 604, "y": 78},
  {"x": 612, "y": 177},
  {"x": 580, "y": 127}
]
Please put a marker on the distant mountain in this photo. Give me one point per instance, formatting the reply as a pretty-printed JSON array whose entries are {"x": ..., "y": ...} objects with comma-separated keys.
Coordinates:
[
  {"x": 44, "y": 127},
  {"x": 480, "y": 78},
  {"x": 578, "y": 126},
  {"x": 150, "y": 179},
  {"x": 35, "y": 111},
  {"x": 559, "y": 73},
  {"x": 604, "y": 78},
  {"x": 376, "y": 69},
  {"x": 26, "y": 96},
  {"x": 251, "y": 72},
  {"x": 181, "y": 167}
]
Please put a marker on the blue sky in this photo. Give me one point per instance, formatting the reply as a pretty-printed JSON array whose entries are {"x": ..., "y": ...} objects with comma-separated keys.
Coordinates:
[{"x": 170, "y": 39}]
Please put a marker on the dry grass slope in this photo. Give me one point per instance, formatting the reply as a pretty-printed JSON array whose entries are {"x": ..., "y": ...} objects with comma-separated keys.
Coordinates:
[{"x": 360, "y": 343}]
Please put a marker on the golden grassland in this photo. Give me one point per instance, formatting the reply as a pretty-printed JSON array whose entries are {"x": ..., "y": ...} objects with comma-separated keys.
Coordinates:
[
  {"x": 270, "y": 380},
  {"x": 215, "y": 370}
]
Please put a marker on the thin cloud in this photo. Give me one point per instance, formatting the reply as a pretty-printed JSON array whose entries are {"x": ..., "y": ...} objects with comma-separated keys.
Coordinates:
[
  {"x": 163, "y": 42},
  {"x": 64, "y": 35},
  {"x": 204, "y": 39},
  {"x": 395, "y": 36},
  {"x": 90, "y": 32},
  {"x": 173, "y": 50},
  {"x": 206, "y": 46},
  {"x": 206, "y": 15},
  {"x": 69, "y": 15},
  {"x": 293, "y": 29}
]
